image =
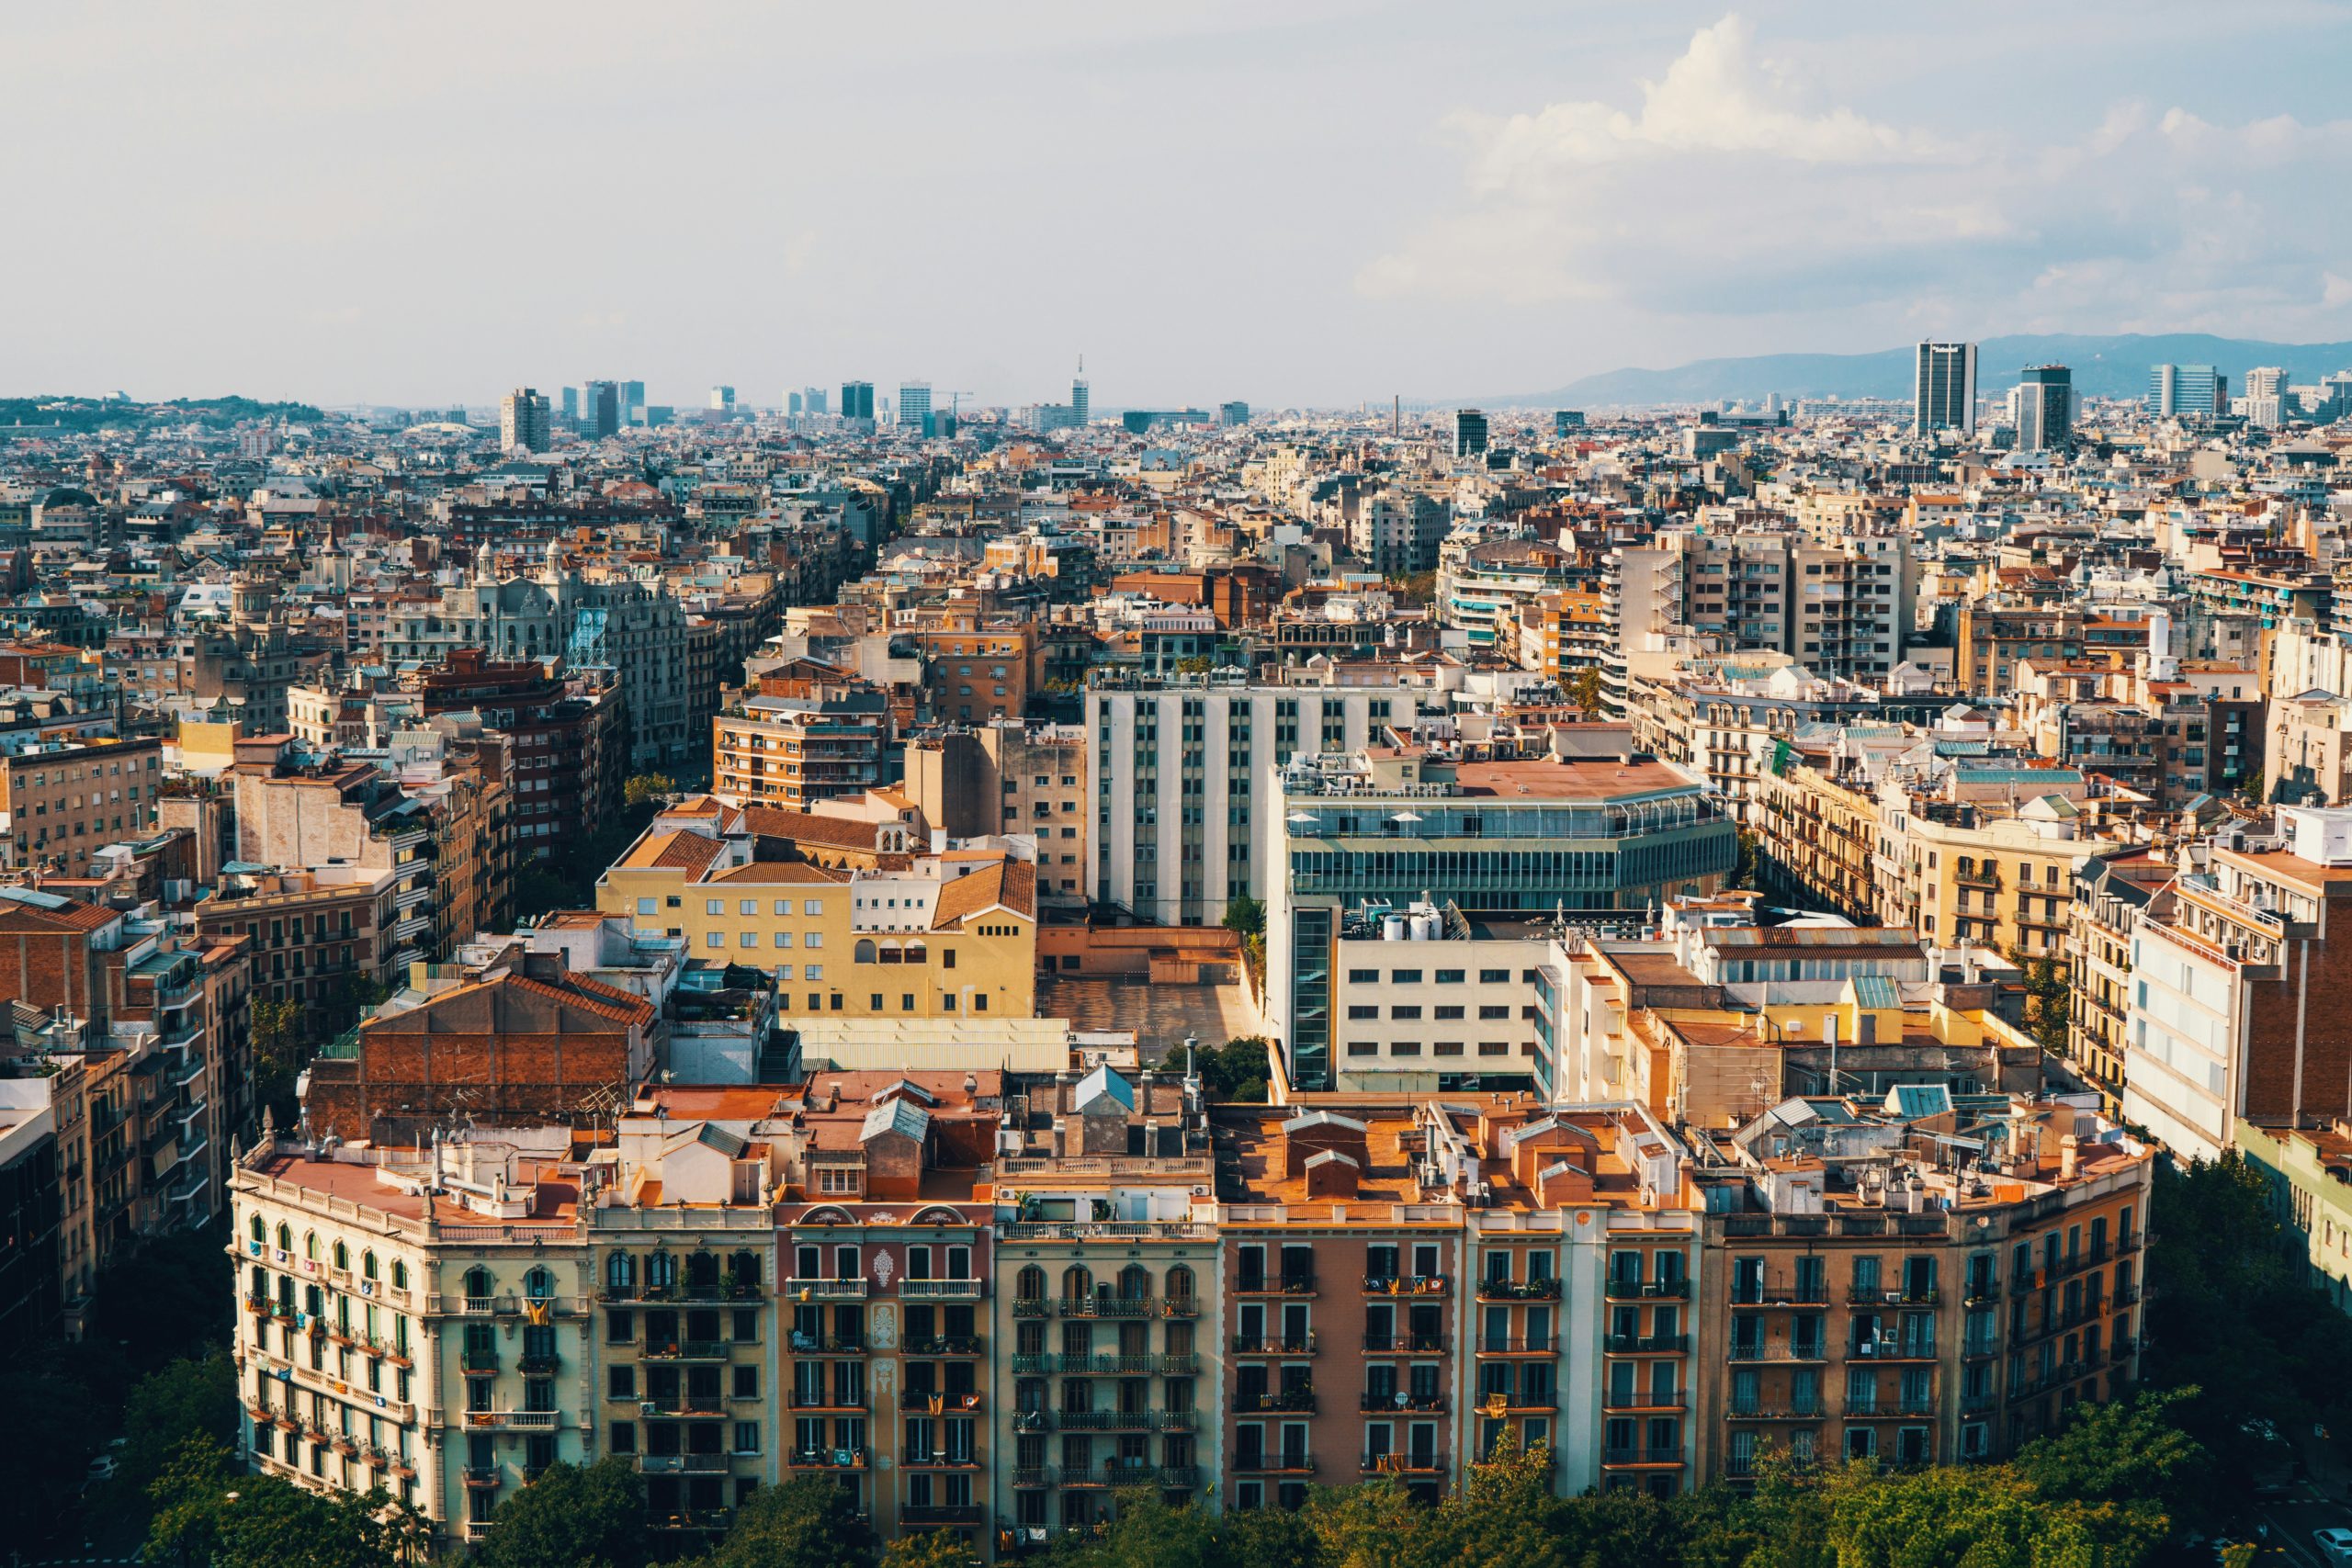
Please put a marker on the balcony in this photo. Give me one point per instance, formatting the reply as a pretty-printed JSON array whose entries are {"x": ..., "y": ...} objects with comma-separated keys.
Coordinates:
[
  {"x": 1274, "y": 1344},
  {"x": 1622, "y": 1290},
  {"x": 1799, "y": 1350},
  {"x": 1110, "y": 1420},
  {"x": 688, "y": 1350},
  {"x": 826, "y": 1459},
  {"x": 482, "y": 1476},
  {"x": 1924, "y": 1296},
  {"x": 852, "y": 1290},
  {"x": 1401, "y": 1400},
  {"x": 474, "y": 1360},
  {"x": 952, "y": 1289},
  {"x": 829, "y": 1345},
  {"x": 521, "y": 1420},
  {"x": 1642, "y": 1399},
  {"x": 1408, "y": 1285},
  {"x": 1046, "y": 1364},
  {"x": 677, "y": 1464},
  {"x": 1518, "y": 1346},
  {"x": 1406, "y": 1344},
  {"x": 1403, "y": 1465},
  {"x": 1271, "y": 1285},
  {"x": 1292, "y": 1401},
  {"x": 1810, "y": 1410},
  {"x": 1285, "y": 1464},
  {"x": 1620, "y": 1458},
  {"x": 1109, "y": 1306},
  {"x": 820, "y": 1400},
  {"x": 539, "y": 1364},
  {"x": 931, "y": 1515},
  {"x": 1519, "y": 1290},
  {"x": 704, "y": 1520},
  {"x": 1648, "y": 1344},
  {"x": 1031, "y": 1307},
  {"x": 943, "y": 1345}
]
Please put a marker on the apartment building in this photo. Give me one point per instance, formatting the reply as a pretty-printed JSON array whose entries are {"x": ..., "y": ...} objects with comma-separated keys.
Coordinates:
[
  {"x": 568, "y": 752},
  {"x": 1109, "y": 1271},
  {"x": 792, "y": 752},
  {"x": 1816, "y": 836},
  {"x": 1988, "y": 856},
  {"x": 1842, "y": 606},
  {"x": 1485, "y": 581},
  {"x": 950, "y": 934},
  {"x": 2113, "y": 892},
  {"x": 1571, "y": 824},
  {"x": 1407, "y": 1285},
  {"x": 1006, "y": 778},
  {"x": 2307, "y": 1170},
  {"x": 1180, "y": 770},
  {"x": 1921, "y": 1278},
  {"x": 319, "y": 937},
  {"x": 1427, "y": 1001},
  {"x": 62, "y": 800},
  {"x": 1396, "y": 531},
  {"x": 347, "y": 813},
  {"x": 975, "y": 674},
  {"x": 2230, "y": 989},
  {"x": 31, "y": 1179}
]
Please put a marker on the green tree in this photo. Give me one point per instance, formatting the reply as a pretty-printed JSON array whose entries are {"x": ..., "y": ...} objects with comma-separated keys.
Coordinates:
[
  {"x": 1238, "y": 1070},
  {"x": 930, "y": 1549},
  {"x": 189, "y": 1398},
  {"x": 1246, "y": 915},
  {"x": 1585, "y": 692},
  {"x": 805, "y": 1523},
  {"x": 211, "y": 1515},
  {"x": 648, "y": 789},
  {"x": 2047, "y": 1000},
  {"x": 570, "y": 1518},
  {"x": 279, "y": 1038},
  {"x": 1361, "y": 1527},
  {"x": 2127, "y": 1451}
]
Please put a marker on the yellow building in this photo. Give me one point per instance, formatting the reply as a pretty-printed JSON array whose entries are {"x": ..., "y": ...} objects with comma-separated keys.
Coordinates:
[
  {"x": 938, "y": 935},
  {"x": 1815, "y": 836},
  {"x": 1982, "y": 871}
]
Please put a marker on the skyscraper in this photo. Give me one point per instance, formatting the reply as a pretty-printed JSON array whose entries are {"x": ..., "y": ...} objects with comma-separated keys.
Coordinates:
[
  {"x": 2189, "y": 391},
  {"x": 815, "y": 400},
  {"x": 1232, "y": 413},
  {"x": 2265, "y": 395},
  {"x": 914, "y": 407},
  {"x": 1079, "y": 401},
  {"x": 2045, "y": 407},
  {"x": 1469, "y": 433},
  {"x": 632, "y": 403},
  {"x": 523, "y": 421},
  {"x": 1945, "y": 389},
  {"x": 857, "y": 400},
  {"x": 792, "y": 403},
  {"x": 572, "y": 402},
  {"x": 722, "y": 397},
  {"x": 602, "y": 412}
]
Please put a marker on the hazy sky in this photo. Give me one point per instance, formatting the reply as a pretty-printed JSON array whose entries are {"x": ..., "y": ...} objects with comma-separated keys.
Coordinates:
[{"x": 1279, "y": 200}]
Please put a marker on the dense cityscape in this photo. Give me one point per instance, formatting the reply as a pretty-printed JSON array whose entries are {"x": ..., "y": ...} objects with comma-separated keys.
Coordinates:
[
  {"x": 1648, "y": 949},
  {"x": 1327, "y": 785}
]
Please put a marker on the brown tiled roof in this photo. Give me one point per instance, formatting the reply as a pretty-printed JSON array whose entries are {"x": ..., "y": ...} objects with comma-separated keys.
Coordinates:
[
  {"x": 1011, "y": 885},
  {"x": 779, "y": 871},
  {"x": 681, "y": 849},
  {"x": 72, "y": 917},
  {"x": 775, "y": 822}
]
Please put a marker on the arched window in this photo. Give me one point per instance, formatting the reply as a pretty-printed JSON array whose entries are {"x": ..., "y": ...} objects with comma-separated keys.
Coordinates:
[
  {"x": 702, "y": 1274},
  {"x": 1030, "y": 1284},
  {"x": 285, "y": 1238},
  {"x": 342, "y": 1258},
  {"x": 1135, "y": 1282},
  {"x": 366, "y": 1264},
  {"x": 916, "y": 952},
  {"x": 1180, "y": 1283},
  {"x": 620, "y": 1273},
  {"x": 1077, "y": 1283},
  {"x": 399, "y": 1275},
  {"x": 660, "y": 1271},
  {"x": 260, "y": 1232},
  {"x": 478, "y": 1282},
  {"x": 259, "y": 1287},
  {"x": 864, "y": 952},
  {"x": 538, "y": 1284},
  {"x": 743, "y": 1269},
  {"x": 311, "y": 1246}
]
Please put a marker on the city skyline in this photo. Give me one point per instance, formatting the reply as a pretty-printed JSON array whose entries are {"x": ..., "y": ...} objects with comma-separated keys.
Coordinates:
[{"x": 2091, "y": 176}]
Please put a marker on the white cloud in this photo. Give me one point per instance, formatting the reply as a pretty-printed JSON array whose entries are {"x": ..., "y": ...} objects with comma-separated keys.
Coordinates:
[{"x": 1731, "y": 189}]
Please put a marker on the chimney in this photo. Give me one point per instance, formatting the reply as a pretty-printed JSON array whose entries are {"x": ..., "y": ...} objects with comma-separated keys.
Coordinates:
[{"x": 2069, "y": 1157}]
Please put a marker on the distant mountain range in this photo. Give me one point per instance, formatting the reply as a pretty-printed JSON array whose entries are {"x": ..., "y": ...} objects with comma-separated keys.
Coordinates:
[{"x": 2113, "y": 367}]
